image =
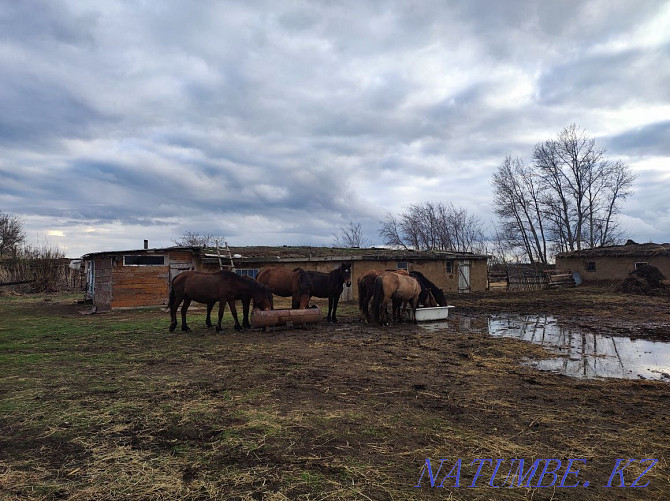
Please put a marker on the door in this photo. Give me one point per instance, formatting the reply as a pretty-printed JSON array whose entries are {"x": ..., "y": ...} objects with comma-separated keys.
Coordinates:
[
  {"x": 464, "y": 277},
  {"x": 90, "y": 279}
]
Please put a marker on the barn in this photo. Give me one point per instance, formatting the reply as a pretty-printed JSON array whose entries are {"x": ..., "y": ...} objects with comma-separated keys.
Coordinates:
[
  {"x": 614, "y": 263},
  {"x": 117, "y": 279}
]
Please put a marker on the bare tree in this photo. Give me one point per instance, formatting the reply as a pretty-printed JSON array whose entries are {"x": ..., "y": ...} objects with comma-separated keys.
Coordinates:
[
  {"x": 566, "y": 200},
  {"x": 194, "y": 239},
  {"x": 390, "y": 231},
  {"x": 11, "y": 233},
  {"x": 518, "y": 204},
  {"x": 583, "y": 189},
  {"x": 350, "y": 235},
  {"x": 433, "y": 226}
]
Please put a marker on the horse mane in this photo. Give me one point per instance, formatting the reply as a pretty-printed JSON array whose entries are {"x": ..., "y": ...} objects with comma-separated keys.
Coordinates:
[{"x": 304, "y": 282}]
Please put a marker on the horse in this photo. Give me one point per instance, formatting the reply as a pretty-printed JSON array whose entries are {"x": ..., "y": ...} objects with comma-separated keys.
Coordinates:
[
  {"x": 287, "y": 283},
  {"x": 437, "y": 293},
  {"x": 246, "y": 300},
  {"x": 366, "y": 284},
  {"x": 209, "y": 288},
  {"x": 391, "y": 286},
  {"x": 330, "y": 285}
]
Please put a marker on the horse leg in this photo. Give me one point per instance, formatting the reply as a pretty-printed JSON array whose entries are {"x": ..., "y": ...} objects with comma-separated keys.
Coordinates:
[
  {"x": 245, "y": 312},
  {"x": 208, "y": 320},
  {"x": 184, "y": 308},
  {"x": 233, "y": 310},
  {"x": 173, "y": 312},
  {"x": 396, "y": 305},
  {"x": 222, "y": 307},
  {"x": 330, "y": 317},
  {"x": 414, "y": 304},
  {"x": 335, "y": 299},
  {"x": 383, "y": 314}
]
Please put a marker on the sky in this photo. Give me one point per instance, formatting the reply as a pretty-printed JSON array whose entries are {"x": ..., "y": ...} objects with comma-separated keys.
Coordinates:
[{"x": 277, "y": 123}]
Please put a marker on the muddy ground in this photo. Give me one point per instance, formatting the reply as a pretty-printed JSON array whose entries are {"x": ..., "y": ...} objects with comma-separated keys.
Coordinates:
[{"x": 345, "y": 411}]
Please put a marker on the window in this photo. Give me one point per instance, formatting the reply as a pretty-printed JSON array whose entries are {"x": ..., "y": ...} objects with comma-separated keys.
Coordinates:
[
  {"x": 144, "y": 260},
  {"x": 449, "y": 267},
  {"x": 590, "y": 266},
  {"x": 403, "y": 265},
  {"x": 247, "y": 272}
]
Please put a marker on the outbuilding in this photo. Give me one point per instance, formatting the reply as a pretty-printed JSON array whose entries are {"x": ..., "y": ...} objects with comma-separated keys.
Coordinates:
[
  {"x": 142, "y": 277},
  {"x": 616, "y": 262}
]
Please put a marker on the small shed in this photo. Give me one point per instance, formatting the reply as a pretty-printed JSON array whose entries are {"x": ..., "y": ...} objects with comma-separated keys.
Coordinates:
[
  {"x": 614, "y": 263},
  {"x": 132, "y": 278}
]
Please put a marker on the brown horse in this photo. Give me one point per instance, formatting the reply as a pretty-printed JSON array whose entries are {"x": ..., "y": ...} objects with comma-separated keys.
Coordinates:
[
  {"x": 246, "y": 300},
  {"x": 330, "y": 285},
  {"x": 391, "y": 286},
  {"x": 366, "y": 285},
  {"x": 287, "y": 283},
  {"x": 209, "y": 288}
]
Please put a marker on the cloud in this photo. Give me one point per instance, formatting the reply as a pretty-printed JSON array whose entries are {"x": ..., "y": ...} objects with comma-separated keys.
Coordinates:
[{"x": 277, "y": 122}]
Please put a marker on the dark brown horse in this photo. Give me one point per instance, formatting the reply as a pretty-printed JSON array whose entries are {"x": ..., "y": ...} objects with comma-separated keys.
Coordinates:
[
  {"x": 287, "y": 283},
  {"x": 428, "y": 286},
  {"x": 330, "y": 285},
  {"x": 209, "y": 288},
  {"x": 366, "y": 285},
  {"x": 246, "y": 300},
  {"x": 394, "y": 287}
]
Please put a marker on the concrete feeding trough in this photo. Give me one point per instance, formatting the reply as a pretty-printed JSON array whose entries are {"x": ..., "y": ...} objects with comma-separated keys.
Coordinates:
[
  {"x": 432, "y": 314},
  {"x": 289, "y": 318}
]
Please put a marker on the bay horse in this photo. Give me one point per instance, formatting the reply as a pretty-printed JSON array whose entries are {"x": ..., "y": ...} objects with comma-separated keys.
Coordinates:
[
  {"x": 209, "y": 288},
  {"x": 246, "y": 300},
  {"x": 437, "y": 293},
  {"x": 394, "y": 287},
  {"x": 287, "y": 283},
  {"x": 330, "y": 285},
  {"x": 366, "y": 285}
]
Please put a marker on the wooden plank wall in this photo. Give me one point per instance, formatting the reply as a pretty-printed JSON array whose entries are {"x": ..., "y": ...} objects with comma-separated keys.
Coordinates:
[
  {"x": 140, "y": 285},
  {"x": 147, "y": 285}
]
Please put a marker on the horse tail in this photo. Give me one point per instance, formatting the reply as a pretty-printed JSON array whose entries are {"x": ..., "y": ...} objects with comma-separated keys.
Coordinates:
[
  {"x": 172, "y": 298},
  {"x": 361, "y": 292},
  {"x": 377, "y": 299}
]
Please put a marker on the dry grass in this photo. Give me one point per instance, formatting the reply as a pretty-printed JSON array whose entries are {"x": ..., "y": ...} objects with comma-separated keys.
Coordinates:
[{"x": 113, "y": 407}]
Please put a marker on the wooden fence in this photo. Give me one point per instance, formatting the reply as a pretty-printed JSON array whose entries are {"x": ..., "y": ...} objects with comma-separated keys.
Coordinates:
[{"x": 525, "y": 277}]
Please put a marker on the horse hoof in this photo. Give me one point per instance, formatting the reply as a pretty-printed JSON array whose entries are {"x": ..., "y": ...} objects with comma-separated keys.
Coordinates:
[
  {"x": 218, "y": 329},
  {"x": 238, "y": 328},
  {"x": 186, "y": 330},
  {"x": 173, "y": 327}
]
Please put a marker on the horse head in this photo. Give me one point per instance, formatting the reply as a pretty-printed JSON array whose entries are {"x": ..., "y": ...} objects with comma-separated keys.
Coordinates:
[
  {"x": 346, "y": 273},
  {"x": 263, "y": 300}
]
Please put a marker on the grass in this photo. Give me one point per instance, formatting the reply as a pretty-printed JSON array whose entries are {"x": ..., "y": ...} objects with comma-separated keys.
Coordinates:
[{"x": 111, "y": 406}]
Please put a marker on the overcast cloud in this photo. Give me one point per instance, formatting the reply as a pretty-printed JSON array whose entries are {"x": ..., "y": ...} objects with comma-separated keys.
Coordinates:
[{"x": 277, "y": 122}]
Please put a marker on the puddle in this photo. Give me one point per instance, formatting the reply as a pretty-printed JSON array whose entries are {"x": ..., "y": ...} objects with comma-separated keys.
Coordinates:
[{"x": 582, "y": 354}]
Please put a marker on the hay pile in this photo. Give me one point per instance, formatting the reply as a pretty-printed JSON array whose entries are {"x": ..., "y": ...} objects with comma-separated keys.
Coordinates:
[{"x": 645, "y": 280}]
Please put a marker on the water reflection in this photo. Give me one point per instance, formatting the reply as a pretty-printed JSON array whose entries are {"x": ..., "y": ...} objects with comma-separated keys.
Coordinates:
[{"x": 584, "y": 354}]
